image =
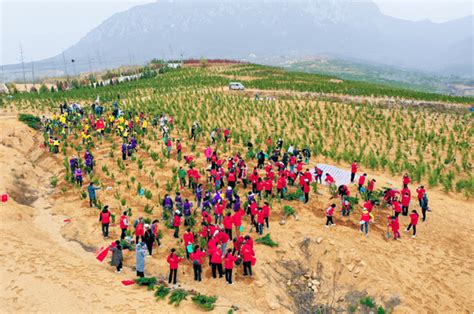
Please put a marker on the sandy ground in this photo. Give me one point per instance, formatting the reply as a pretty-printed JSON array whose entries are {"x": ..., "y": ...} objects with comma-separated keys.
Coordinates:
[{"x": 48, "y": 265}]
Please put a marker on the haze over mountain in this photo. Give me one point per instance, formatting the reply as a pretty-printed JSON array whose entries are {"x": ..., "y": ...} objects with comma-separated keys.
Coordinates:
[{"x": 263, "y": 31}]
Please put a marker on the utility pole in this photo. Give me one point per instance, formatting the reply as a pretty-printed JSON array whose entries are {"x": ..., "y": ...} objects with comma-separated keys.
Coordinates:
[
  {"x": 33, "y": 72},
  {"x": 65, "y": 67},
  {"x": 74, "y": 66},
  {"x": 23, "y": 67},
  {"x": 90, "y": 67},
  {"x": 98, "y": 58}
]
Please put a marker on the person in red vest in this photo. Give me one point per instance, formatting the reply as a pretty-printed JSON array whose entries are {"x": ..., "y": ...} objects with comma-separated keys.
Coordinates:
[
  {"x": 124, "y": 225},
  {"x": 306, "y": 191},
  {"x": 370, "y": 188},
  {"x": 329, "y": 215},
  {"x": 354, "y": 167},
  {"x": 231, "y": 178},
  {"x": 176, "y": 223},
  {"x": 420, "y": 191},
  {"x": 268, "y": 187},
  {"x": 362, "y": 182},
  {"x": 406, "y": 197},
  {"x": 188, "y": 239},
  {"x": 197, "y": 257},
  {"x": 397, "y": 208},
  {"x": 226, "y": 134},
  {"x": 395, "y": 225},
  {"x": 104, "y": 218},
  {"x": 216, "y": 261},
  {"x": 254, "y": 180},
  {"x": 413, "y": 222},
  {"x": 318, "y": 174},
  {"x": 247, "y": 253},
  {"x": 406, "y": 180},
  {"x": 266, "y": 214},
  {"x": 364, "y": 222},
  {"x": 173, "y": 260},
  {"x": 281, "y": 185},
  {"x": 227, "y": 222},
  {"x": 229, "y": 261},
  {"x": 329, "y": 179},
  {"x": 139, "y": 229},
  {"x": 260, "y": 187}
]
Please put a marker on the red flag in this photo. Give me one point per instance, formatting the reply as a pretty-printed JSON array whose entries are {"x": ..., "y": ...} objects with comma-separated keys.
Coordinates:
[
  {"x": 128, "y": 282},
  {"x": 102, "y": 254},
  {"x": 67, "y": 220}
]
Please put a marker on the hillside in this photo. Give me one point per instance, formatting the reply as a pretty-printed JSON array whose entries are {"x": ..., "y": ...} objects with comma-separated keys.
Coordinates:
[
  {"x": 292, "y": 29},
  {"x": 382, "y": 74},
  {"x": 313, "y": 267}
]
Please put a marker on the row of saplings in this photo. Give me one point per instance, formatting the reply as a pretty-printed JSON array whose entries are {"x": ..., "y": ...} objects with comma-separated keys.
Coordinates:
[{"x": 175, "y": 297}]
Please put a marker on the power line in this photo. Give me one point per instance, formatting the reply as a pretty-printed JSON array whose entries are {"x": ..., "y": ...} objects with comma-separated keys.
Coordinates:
[{"x": 23, "y": 66}]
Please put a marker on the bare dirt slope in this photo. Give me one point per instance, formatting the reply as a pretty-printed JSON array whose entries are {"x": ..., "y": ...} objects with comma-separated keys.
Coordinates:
[{"x": 49, "y": 265}]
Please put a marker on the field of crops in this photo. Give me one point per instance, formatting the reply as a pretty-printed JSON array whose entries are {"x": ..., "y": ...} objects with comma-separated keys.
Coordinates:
[{"x": 434, "y": 147}]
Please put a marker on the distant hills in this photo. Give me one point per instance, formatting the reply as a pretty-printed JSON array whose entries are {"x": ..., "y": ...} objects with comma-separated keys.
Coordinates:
[{"x": 262, "y": 31}]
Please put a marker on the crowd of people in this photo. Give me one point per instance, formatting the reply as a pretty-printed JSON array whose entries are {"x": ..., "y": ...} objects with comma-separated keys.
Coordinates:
[{"x": 228, "y": 193}]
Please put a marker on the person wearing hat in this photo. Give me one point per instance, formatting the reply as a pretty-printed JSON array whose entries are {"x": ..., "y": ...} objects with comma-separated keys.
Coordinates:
[
  {"x": 364, "y": 222},
  {"x": 149, "y": 238},
  {"x": 140, "y": 250}
]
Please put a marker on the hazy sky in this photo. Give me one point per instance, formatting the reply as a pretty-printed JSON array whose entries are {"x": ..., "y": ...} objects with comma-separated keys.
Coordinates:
[{"x": 45, "y": 28}]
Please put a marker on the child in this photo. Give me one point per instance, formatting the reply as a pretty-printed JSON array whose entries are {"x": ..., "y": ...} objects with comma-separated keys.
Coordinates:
[
  {"x": 173, "y": 260},
  {"x": 329, "y": 214},
  {"x": 395, "y": 227},
  {"x": 413, "y": 222}
]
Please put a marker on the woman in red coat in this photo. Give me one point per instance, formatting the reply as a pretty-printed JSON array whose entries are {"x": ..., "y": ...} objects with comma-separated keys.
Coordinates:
[
  {"x": 216, "y": 261},
  {"x": 260, "y": 221},
  {"x": 413, "y": 222},
  {"x": 405, "y": 202},
  {"x": 229, "y": 261},
  {"x": 227, "y": 222},
  {"x": 306, "y": 191},
  {"x": 247, "y": 255},
  {"x": 173, "y": 260},
  {"x": 197, "y": 257}
]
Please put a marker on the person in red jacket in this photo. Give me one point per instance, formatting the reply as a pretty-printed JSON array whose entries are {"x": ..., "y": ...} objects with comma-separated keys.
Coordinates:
[
  {"x": 216, "y": 261},
  {"x": 227, "y": 222},
  {"x": 268, "y": 187},
  {"x": 266, "y": 214},
  {"x": 364, "y": 222},
  {"x": 362, "y": 182},
  {"x": 173, "y": 260},
  {"x": 247, "y": 253},
  {"x": 124, "y": 225},
  {"x": 238, "y": 242},
  {"x": 329, "y": 214},
  {"x": 318, "y": 174},
  {"x": 354, "y": 167},
  {"x": 197, "y": 257},
  {"x": 413, "y": 222},
  {"x": 395, "y": 227},
  {"x": 406, "y": 180},
  {"x": 176, "y": 223},
  {"x": 104, "y": 218},
  {"x": 229, "y": 261},
  {"x": 260, "y": 187},
  {"x": 405, "y": 202},
  {"x": 188, "y": 239}
]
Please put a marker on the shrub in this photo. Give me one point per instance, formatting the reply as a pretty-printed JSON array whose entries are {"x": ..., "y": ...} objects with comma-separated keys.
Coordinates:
[
  {"x": 177, "y": 296},
  {"x": 266, "y": 240},
  {"x": 288, "y": 210},
  {"x": 54, "y": 181},
  {"x": 204, "y": 302},
  {"x": 30, "y": 120},
  {"x": 149, "y": 282},
  {"x": 161, "y": 292}
]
